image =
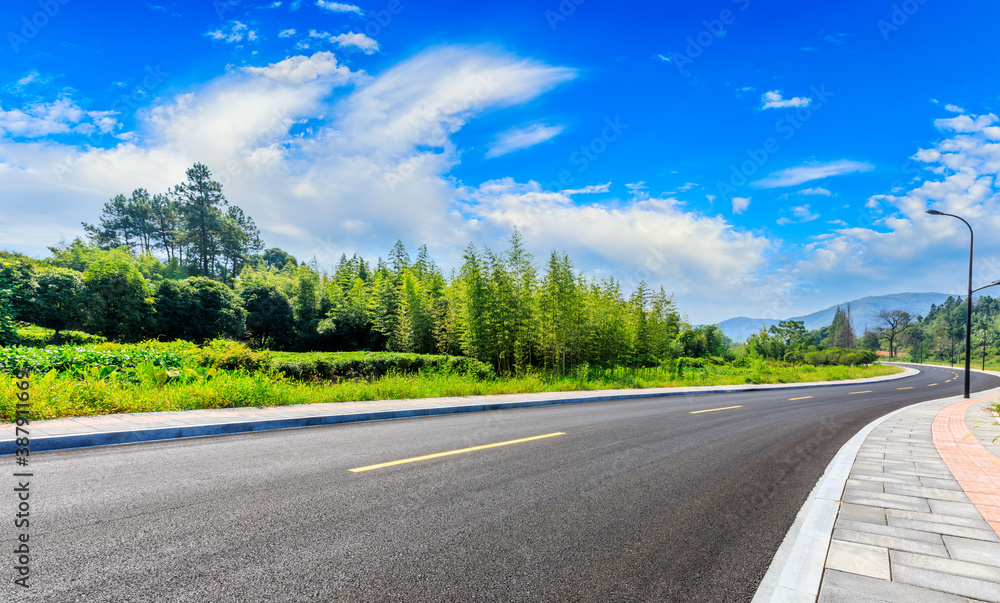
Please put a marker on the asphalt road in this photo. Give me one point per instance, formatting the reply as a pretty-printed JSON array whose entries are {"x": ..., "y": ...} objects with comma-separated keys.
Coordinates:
[{"x": 636, "y": 501}]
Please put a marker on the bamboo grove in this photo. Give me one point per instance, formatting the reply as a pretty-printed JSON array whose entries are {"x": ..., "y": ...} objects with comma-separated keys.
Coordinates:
[{"x": 174, "y": 266}]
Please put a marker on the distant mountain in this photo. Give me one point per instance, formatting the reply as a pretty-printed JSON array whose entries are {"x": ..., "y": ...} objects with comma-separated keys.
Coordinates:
[{"x": 862, "y": 313}]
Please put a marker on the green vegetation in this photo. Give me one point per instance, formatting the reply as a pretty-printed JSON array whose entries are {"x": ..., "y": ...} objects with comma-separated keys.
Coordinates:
[
  {"x": 939, "y": 337},
  {"x": 113, "y": 378},
  {"x": 223, "y": 322}
]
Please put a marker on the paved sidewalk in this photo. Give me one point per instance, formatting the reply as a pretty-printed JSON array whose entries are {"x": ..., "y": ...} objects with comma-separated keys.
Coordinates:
[
  {"x": 913, "y": 521},
  {"x": 106, "y": 430}
]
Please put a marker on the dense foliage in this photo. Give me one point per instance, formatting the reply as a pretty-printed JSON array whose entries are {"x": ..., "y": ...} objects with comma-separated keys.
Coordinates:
[{"x": 183, "y": 265}]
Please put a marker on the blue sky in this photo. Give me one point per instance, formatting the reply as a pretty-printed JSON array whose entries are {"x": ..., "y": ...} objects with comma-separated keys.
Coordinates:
[{"x": 755, "y": 158}]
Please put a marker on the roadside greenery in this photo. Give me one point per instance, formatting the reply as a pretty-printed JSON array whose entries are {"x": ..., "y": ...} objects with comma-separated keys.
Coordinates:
[
  {"x": 173, "y": 302},
  {"x": 111, "y": 379}
]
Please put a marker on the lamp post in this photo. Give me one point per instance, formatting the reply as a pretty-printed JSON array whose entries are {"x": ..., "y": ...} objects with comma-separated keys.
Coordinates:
[{"x": 968, "y": 303}]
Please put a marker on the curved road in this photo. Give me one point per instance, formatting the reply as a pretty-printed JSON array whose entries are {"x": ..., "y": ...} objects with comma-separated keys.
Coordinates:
[{"x": 642, "y": 500}]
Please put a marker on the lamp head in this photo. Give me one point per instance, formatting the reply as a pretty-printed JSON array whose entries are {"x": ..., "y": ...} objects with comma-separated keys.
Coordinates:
[{"x": 934, "y": 212}]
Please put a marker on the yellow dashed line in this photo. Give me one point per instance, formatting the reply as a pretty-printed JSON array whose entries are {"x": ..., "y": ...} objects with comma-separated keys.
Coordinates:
[
  {"x": 932, "y": 385},
  {"x": 694, "y": 412},
  {"x": 911, "y": 387},
  {"x": 864, "y": 392},
  {"x": 450, "y": 452},
  {"x": 802, "y": 398}
]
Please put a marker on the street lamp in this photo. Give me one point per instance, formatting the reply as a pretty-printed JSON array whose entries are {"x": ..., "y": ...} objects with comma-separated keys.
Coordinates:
[{"x": 968, "y": 304}]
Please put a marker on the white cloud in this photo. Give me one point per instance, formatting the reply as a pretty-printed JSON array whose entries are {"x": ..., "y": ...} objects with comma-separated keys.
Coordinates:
[
  {"x": 699, "y": 258},
  {"x": 740, "y": 204},
  {"x": 235, "y": 33},
  {"x": 816, "y": 191},
  {"x": 301, "y": 69},
  {"x": 773, "y": 100},
  {"x": 800, "y": 214},
  {"x": 522, "y": 138},
  {"x": 338, "y": 7},
  {"x": 954, "y": 108},
  {"x": 286, "y": 33},
  {"x": 815, "y": 171},
  {"x": 355, "y": 40},
  {"x": 62, "y": 116},
  {"x": 327, "y": 161},
  {"x": 587, "y": 190},
  {"x": 895, "y": 244}
]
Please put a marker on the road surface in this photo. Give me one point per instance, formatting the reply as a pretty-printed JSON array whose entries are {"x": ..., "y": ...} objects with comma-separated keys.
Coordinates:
[{"x": 668, "y": 499}]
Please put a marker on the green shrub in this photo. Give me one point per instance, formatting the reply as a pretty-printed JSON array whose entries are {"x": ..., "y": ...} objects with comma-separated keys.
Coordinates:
[
  {"x": 335, "y": 366},
  {"x": 230, "y": 355},
  {"x": 35, "y": 336}
]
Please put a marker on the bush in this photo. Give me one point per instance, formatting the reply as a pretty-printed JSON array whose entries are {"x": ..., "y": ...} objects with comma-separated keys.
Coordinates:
[
  {"x": 371, "y": 365},
  {"x": 230, "y": 355},
  {"x": 832, "y": 357},
  {"x": 34, "y": 336}
]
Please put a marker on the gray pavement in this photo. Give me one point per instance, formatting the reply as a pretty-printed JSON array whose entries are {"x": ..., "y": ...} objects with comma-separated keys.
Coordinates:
[
  {"x": 891, "y": 520},
  {"x": 906, "y": 530}
]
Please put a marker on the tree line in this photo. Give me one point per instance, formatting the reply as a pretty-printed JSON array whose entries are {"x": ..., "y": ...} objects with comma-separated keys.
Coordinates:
[{"x": 175, "y": 266}]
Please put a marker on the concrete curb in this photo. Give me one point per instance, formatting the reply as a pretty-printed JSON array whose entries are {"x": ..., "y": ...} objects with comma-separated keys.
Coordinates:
[
  {"x": 796, "y": 571},
  {"x": 109, "y": 438}
]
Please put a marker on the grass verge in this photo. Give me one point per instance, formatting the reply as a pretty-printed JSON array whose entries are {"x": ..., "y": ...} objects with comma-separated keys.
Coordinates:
[{"x": 55, "y": 395}]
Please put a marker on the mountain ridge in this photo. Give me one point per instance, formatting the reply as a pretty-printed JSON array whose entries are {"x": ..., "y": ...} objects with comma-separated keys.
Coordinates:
[{"x": 863, "y": 312}]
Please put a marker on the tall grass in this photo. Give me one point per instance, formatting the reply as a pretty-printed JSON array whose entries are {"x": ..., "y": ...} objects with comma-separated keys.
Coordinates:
[{"x": 55, "y": 395}]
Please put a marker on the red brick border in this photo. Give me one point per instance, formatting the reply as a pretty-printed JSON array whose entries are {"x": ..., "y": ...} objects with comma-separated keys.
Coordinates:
[{"x": 975, "y": 468}]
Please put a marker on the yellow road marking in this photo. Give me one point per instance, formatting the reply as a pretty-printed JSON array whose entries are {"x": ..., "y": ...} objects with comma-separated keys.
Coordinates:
[
  {"x": 802, "y": 398},
  {"x": 911, "y": 387},
  {"x": 694, "y": 412},
  {"x": 932, "y": 385},
  {"x": 450, "y": 452},
  {"x": 864, "y": 392}
]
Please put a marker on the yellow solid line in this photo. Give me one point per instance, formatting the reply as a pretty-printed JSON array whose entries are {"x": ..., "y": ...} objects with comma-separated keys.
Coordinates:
[
  {"x": 694, "y": 412},
  {"x": 802, "y": 398},
  {"x": 864, "y": 392},
  {"x": 911, "y": 387},
  {"x": 450, "y": 452}
]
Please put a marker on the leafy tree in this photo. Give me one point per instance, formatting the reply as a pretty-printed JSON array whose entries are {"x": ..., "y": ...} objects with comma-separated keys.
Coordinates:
[
  {"x": 198, "y": 309},
  {"x": 201, "y": 200},
  {"x": 8, "y": 332},
  {"x": 121, "y": 304},
  {"x": 238, "y": 240},
  {"x": 896, "y": 322},
  {"x": 60, "y": 300},
  {"x": 269, "y": 319},
  {"x": 20, "y": 279},
  {"x": 870, "y": 340},
  {"x": 278, "y": 259}
]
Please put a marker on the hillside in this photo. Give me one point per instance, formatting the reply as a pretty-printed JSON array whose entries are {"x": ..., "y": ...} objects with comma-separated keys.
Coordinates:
[{"x": 862, "y": 313}]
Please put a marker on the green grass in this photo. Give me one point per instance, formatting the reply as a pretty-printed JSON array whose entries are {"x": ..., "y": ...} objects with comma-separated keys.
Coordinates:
[{"x": 97, "y": 392}]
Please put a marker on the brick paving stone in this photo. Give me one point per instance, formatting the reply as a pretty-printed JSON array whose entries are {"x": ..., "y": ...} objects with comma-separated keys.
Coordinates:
[
  {"x": 858, "y": 559},
  {"x": 862, "y": 513},
  {"x": 843, "y": 587}
]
